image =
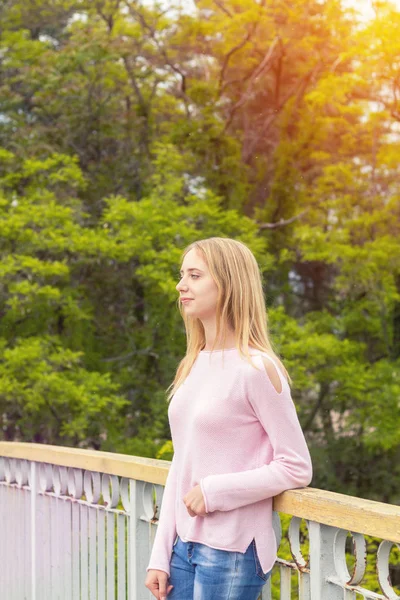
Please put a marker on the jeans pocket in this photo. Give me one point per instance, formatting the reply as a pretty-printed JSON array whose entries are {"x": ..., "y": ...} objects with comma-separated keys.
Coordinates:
[{"x": 258, "y": 568}]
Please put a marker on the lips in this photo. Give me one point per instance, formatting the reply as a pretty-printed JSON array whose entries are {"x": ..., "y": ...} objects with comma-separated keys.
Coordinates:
[{"x": 184, "y": 300}]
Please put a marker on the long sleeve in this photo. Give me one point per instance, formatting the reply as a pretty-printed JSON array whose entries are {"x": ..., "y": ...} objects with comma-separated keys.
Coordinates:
[
  {"x": 166, "y": 529},
  {"x": 290, "y": 466}
]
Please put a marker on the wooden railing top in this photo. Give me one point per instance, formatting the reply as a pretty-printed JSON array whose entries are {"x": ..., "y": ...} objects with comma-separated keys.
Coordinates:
[{"x": 330, "y": 508}]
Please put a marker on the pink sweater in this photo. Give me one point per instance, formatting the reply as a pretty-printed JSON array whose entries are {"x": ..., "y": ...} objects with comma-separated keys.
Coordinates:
[{"x": 241, "y": 440}]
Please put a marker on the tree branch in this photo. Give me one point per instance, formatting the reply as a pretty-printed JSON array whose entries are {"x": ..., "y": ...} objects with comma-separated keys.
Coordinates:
[
  {"x": 315, "y": 409},
  {"x": 223, "y": 8},
  {"x": 134, "y": 84},
  {"x": 282, "y": 222},
  {"x": 297, "y": 88},
  {"x": 265, "y": 63},
  {"x": 162, "y": 50},
  {"x": 227, "y": 59}
]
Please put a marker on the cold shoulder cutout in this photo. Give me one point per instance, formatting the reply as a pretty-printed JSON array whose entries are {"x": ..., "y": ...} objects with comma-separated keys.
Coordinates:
[{"x": 272, "y": 373}]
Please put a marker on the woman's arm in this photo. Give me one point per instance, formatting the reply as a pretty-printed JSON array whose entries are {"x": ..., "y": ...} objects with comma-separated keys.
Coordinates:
[
  {"x": 291, "y": 464},
  {"x": 166, "y": 529}
]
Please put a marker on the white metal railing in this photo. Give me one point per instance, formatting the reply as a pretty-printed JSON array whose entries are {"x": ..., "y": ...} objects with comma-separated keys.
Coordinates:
[
  {"x": 79, "y": 525},
  {"x": 70, "y": 533}
]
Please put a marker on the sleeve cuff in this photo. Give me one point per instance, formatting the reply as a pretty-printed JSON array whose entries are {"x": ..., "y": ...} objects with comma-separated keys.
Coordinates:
[
  {"x": 157, "y": 568},
  {"x": 204, "y": 494},
  {"x": 213, "y": 498}
]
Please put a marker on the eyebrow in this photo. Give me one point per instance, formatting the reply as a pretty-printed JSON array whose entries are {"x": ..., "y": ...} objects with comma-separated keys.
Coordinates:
[{"x": 192, "y": 269}]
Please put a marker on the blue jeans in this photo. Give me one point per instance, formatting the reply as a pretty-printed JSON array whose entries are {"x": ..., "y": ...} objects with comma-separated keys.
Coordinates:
[{"x": 199, "y": 572}]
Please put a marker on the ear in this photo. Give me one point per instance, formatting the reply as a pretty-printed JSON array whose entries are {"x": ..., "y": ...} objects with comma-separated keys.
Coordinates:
[{"x": 273, "y": 374}]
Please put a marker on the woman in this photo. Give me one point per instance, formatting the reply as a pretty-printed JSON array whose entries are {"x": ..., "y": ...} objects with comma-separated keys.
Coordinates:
[{"x": 237, "y": 440}]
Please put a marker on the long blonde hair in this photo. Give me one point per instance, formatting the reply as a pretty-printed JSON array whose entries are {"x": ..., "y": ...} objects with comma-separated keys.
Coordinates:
[{"x": 240, "y": 304}]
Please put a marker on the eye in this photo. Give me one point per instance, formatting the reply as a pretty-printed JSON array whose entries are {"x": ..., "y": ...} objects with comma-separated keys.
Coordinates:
[{"x": 192, "y": 275}]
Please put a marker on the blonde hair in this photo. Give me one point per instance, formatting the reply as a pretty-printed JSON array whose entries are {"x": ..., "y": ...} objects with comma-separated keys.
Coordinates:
[{"x": 240, "y": 304}]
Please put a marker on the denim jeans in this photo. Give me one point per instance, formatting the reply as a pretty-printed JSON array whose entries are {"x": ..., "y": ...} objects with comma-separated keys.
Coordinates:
[{"x": 199, "y": 572}]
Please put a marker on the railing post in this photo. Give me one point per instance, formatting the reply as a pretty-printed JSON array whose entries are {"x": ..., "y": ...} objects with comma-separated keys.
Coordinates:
[
  {"x": 143, "y": 532},
  {"x": 132, "y": 550},
  {"x": 322, "y": 563},
  {"x": 33, "y": 486},
  {"x": 139, "y": 544}
]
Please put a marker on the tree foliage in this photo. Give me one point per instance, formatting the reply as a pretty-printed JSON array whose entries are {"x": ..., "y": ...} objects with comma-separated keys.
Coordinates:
[{"x": 129, "y": 129}]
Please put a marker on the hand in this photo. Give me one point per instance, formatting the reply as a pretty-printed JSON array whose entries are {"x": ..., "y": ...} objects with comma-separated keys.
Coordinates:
[
  {"x": 156, "y": 582},
  {"x": 194, "y": 501}
]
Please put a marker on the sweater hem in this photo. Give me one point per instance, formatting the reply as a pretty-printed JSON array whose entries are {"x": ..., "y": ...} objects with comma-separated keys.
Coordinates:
[{"x": 210, "y": 546}]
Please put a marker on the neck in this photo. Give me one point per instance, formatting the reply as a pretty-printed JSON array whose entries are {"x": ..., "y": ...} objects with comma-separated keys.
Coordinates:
[{"x": 225, "y": 340}]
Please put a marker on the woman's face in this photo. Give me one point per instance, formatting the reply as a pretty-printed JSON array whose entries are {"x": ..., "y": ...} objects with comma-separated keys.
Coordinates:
[{"x": 198, "y": 291}]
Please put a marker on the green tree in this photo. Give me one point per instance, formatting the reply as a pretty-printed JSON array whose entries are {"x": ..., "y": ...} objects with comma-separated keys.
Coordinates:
[{"x": 128, "y": 130}]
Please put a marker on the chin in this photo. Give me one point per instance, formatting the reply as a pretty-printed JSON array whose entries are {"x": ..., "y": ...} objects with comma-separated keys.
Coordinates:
[{"x": 192, "y": 313}]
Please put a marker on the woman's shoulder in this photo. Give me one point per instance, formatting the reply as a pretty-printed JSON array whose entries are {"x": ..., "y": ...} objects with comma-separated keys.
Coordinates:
[{"x": 262, "y": 362}]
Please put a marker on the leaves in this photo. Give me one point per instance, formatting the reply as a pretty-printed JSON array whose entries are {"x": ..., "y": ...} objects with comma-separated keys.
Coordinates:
[
  {"x": 129, "y": 131},
  {"x": 47, "y": 396}
]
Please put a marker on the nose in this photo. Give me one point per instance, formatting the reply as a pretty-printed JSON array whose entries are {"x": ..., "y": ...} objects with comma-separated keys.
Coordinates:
[{"x": 180, "y": 286}]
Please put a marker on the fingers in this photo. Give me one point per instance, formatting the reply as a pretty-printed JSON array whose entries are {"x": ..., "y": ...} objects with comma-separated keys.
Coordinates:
[
  {"x": 164, "y": 591},
  {"x": 156, "y": 582}
]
